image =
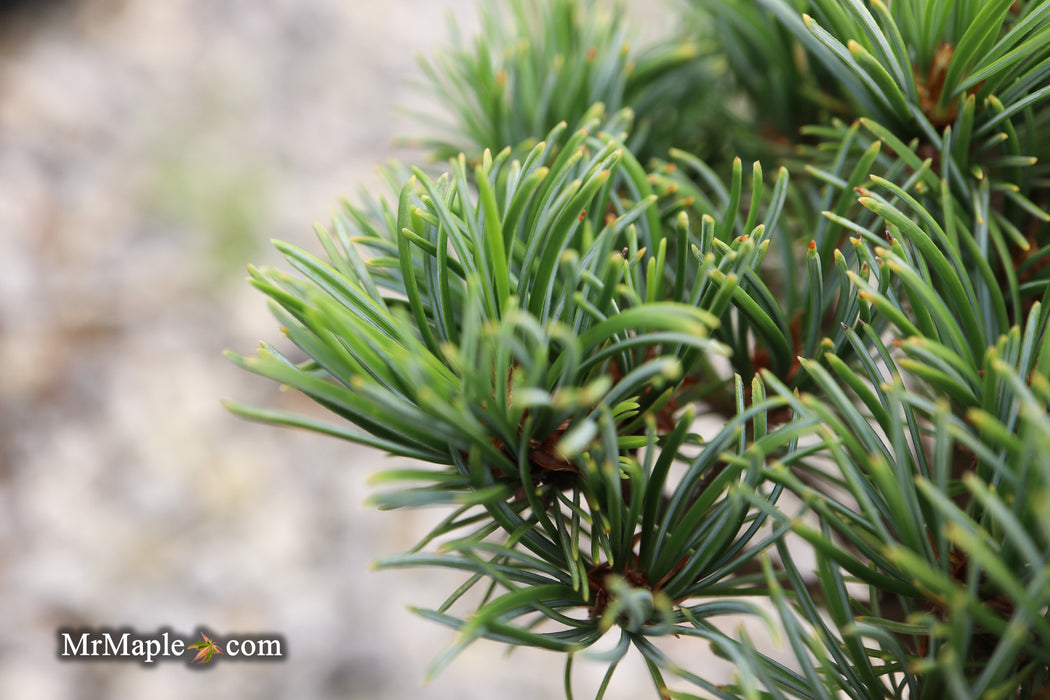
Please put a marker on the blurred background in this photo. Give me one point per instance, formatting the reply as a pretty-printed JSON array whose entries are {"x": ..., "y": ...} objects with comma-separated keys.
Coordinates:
[{"x": 148, "y": 151}]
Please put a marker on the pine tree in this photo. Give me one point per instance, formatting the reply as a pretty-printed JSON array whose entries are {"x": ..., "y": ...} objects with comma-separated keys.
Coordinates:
[{"x": 544, "y": 323}]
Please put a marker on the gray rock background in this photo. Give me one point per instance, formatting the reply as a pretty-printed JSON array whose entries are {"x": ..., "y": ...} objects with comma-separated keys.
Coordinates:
[{"x": 148, "y": 150}]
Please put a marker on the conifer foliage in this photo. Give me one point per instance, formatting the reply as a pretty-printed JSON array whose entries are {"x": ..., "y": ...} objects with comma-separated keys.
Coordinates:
[{"x": 539, "y": 326}]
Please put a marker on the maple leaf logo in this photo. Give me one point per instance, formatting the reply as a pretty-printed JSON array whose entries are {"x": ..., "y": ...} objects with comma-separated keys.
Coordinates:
[{"x": 205, "y": 649}]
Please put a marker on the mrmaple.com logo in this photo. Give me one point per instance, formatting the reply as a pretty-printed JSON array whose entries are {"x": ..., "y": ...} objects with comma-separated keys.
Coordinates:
[{"x": 128, "y": 645}]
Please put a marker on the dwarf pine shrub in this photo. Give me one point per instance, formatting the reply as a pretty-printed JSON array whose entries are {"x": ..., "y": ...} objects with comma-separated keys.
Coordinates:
[{"x": 863, "y": 309}]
